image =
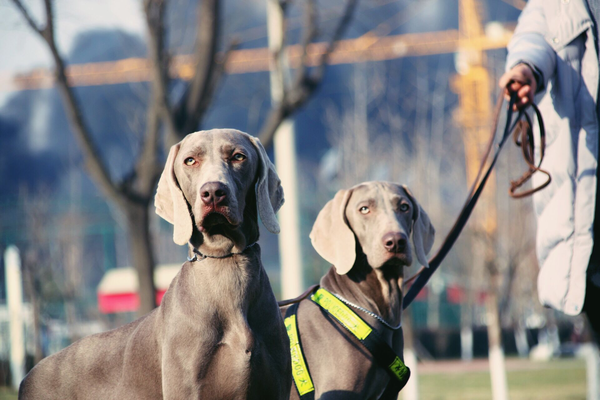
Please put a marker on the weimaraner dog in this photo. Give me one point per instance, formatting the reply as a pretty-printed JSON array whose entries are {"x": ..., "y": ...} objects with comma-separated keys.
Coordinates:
[
  {"x": 364, "y": 232},
  {"x": 218, "y": 333}
]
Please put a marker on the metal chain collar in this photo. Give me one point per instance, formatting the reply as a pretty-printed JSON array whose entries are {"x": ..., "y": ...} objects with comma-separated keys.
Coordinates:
[{"x": 372, "y": 314}]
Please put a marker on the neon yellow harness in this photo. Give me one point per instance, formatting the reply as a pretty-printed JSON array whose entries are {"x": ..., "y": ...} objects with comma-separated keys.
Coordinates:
[{"x": 381, "y": 351}]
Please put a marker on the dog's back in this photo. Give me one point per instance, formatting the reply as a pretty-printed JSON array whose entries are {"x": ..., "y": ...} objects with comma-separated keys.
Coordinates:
[{"x": 121, "y": 363}]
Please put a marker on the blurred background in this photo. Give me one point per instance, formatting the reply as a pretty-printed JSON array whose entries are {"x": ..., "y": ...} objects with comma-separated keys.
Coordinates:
[{"x": 339, "y": 92}]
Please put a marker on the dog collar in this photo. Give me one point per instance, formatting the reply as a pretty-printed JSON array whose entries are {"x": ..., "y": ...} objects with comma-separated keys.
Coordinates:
[
  {"x": 199, "y": 256},
  {"x": 383, "y": 354},
  {"x": 371, "y": 313}
]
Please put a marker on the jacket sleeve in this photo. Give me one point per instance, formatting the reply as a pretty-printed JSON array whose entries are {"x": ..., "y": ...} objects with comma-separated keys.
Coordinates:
[{"x": 529, "y": 45}]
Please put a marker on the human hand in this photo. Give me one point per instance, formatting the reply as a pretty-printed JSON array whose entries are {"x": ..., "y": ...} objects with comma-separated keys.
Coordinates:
[{"x": 519, "y": 80}]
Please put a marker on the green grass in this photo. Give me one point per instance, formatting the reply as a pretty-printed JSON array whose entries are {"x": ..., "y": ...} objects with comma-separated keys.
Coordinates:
[
  {"x": 554, "y": 380},
  {"x": 7, "y": 394},
  {"x": 559, "y": 379}
]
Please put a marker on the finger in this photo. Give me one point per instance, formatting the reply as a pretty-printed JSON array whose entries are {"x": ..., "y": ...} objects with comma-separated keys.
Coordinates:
[
  {"x": 515, "y": 86},
  {"x": 524, "y": 91}
]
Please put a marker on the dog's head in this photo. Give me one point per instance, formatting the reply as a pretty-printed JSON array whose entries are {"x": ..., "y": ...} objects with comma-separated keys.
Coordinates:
[
  {"x": 380, "y": 216},
  {"x": 213, "y": 184}
]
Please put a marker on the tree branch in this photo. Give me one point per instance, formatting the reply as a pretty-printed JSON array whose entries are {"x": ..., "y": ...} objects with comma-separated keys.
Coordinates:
[
  {"x": 155, "y": 11},
  {"x": 198, "y": 94},
  {"x": 310, "y": 33},
  {"x": 25, "y": 13},
  {"x": 147, "y": 168},
  {"x": 93, "y": 160},
  {"x": 305, "y": 83},
  {"x": 337, "y": 35}
]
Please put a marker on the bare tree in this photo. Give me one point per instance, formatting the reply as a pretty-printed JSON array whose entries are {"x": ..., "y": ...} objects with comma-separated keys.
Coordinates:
[
  {"x": 133, "y": 195},
  {"x": 305, "y": 80}
]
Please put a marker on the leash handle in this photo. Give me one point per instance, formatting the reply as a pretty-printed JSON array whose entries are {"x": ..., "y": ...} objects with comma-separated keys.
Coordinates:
[{"x": 524, "y": 138}]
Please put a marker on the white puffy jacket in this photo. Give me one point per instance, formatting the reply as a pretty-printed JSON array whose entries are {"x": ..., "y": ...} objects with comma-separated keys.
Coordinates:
[{"x": 557, "y": 38}]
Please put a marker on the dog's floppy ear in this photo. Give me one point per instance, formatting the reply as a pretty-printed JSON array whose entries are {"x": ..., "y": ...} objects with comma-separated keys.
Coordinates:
[
  {"x": 331, "y": 235},
  {"x": 170, "y": 203},
  {"x": 269, "y": 193},
  {"x": 423, "y": 233}
]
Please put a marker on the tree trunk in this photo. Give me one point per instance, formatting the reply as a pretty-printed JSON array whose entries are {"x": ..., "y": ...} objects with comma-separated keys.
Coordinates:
[{"x": 142, "y": 257}]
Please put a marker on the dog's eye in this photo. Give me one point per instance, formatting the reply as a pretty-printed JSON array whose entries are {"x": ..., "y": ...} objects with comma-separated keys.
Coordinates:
[
  {"x": 404, "y": 207},
  {"x": 239, "y": 157},
  {"x": 189, "y": 161},
  {"x": 364, "y": 210}
]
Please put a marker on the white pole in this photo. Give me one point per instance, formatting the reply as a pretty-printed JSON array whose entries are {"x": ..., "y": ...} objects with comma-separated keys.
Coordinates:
[
  {"x": 466, "y": 343},
  {"x": 14, "y": 299},
  {"x": 411, "y": 390},
  {"x": 284, "y": 143},
  {"x": 591, "y": 355},
  {"x": 498, "y": 373}
]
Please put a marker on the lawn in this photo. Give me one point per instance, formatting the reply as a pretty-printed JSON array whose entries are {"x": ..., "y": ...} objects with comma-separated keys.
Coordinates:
[
  {"x": 559, "y": 379},
  {"x": 7, "y": 394},
  {"x": 554, "y": 380}
]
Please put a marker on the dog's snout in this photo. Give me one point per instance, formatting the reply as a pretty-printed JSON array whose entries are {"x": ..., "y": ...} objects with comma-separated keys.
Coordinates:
[
  {"x": 394, "y": 242},
  {"x": 213, "y": 193}
]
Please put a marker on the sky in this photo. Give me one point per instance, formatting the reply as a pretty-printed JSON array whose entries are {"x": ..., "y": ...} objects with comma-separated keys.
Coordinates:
[{"x": 24, "y": 50}]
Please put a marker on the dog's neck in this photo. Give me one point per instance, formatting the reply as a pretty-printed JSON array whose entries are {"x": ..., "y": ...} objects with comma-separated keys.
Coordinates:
[
  {"x": 376, "y": 289},
  {"x": 228, "y": 241},
  {"x": 239, "y": 271}
]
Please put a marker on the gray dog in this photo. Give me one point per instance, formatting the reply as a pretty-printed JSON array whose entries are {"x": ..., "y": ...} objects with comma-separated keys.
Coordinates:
[
  {"x": 218, "y": 333},
  {"x": 364, "y": 232}
]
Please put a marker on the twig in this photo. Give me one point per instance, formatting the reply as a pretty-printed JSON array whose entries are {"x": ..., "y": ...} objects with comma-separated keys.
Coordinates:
[
  {"x": 93, "y": 161},
  {"x": 305, "y": 83},
  {"x": 197, "y": 97}
]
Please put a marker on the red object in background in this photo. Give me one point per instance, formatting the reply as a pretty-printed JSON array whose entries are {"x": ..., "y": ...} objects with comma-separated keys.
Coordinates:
[
  {"x": 481, "y": 297},
  {"x": 123, "y": 302},
  {"x": 118, "y": 289},
  {"x": 118, "y": 302},
  {"x": 455, "y": 294}
]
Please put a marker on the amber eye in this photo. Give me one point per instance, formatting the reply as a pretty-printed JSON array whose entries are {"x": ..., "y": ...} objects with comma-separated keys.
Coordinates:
[
  {"x": 404, "y": 207},
  {"x": 189, "y": 161},
  {"x": 364, "y": 210},
  {"x": 238, "y": 157}
]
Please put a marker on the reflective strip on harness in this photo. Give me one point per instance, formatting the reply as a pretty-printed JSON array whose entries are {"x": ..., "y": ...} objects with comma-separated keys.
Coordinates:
[
  {"x": 381, "y": 351},
  {"x": 342, "y": 313},
  {"x": 299, "y": 370},
  {"x": 398, "y": 368}
]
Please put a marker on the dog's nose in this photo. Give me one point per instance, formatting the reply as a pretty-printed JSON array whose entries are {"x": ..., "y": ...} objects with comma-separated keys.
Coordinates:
[
  {"x": 394, "y": 242},
  {"x": 213, "y": 193}
]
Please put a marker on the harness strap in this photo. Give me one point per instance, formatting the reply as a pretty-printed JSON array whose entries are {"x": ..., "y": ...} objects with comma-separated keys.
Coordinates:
[
  {"x": 383, "y": 354},
  {"x": 300, "y": 372}
]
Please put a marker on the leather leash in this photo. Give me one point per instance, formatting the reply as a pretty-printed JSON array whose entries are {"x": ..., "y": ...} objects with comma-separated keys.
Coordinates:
[{"x": 523, "y": 137}]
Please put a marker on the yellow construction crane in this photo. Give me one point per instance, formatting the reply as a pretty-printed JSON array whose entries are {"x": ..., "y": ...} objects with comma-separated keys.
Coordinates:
[
  {"x": 474, "y": 89},
  {"x": 365, "y": 48}
]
